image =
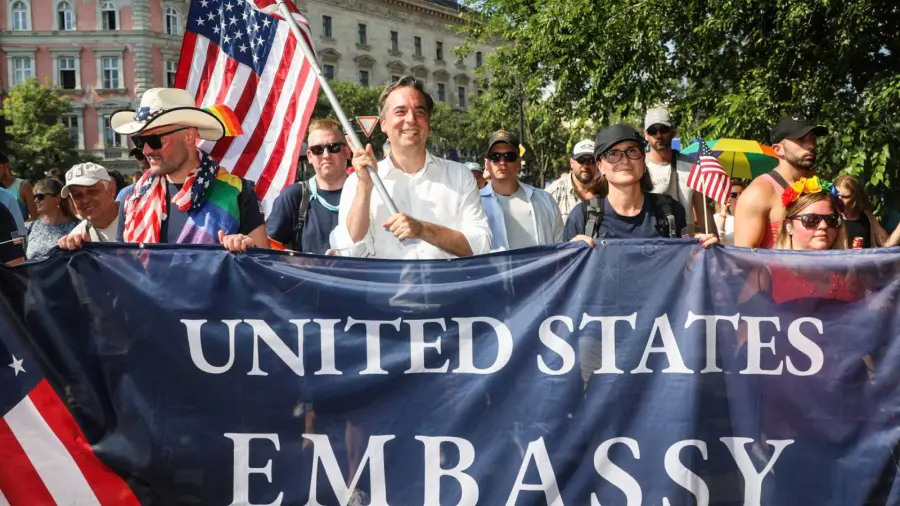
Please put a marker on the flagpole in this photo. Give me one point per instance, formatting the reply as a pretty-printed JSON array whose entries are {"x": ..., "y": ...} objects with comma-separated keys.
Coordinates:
[
  {"x": 338, "y": 111},
  {"x": 705, "y": 204}
]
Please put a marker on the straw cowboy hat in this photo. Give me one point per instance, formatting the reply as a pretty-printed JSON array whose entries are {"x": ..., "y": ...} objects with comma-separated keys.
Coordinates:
[{"x": 167, "y": 106}]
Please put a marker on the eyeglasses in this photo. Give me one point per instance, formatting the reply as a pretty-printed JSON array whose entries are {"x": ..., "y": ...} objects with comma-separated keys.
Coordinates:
[
  {"x": 614, "y": 155},
  {"x": 659, "y": 130},
  {"x": 812, "y": 220},
  {"x": 333, "y": 148},
  {"x": 586, "y": 160},
  {"x": 844, "y": 196},
  {"x": 154, "y": 140},
  {"x": 41, "y": 196},
  {"x": 507, "y": 156}
]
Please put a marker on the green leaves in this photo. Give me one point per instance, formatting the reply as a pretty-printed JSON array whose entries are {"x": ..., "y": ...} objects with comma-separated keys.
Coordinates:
[
  {"x": 40, "y": 141},
  {"x": 726, "y": 68}
]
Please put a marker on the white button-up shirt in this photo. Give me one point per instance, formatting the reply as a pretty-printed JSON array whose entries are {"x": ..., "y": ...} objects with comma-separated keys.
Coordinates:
[
  {"x": 443, "y": 193},
  {"x": 545, "y": 217}
]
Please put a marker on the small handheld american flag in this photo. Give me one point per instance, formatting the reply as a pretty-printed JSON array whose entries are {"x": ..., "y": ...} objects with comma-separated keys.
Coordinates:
[{"x": 708, "y": 177}]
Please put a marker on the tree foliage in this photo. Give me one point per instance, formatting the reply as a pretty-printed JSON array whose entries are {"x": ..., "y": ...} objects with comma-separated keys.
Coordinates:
[
  {"x": 39, "y": 141},
  {"x": 727, "y": 68}
]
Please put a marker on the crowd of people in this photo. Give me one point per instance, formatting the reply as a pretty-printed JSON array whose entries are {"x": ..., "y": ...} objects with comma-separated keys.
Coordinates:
[{"x": 625, "y": 183}]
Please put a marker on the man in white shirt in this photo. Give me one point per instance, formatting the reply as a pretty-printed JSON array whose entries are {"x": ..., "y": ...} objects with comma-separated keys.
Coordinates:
[
  {"x": 440, "y": 209},
  {"x": 93, "y": 194},
  {"x": 669, "y": 169},
  {"x": 520, "y": 215}
]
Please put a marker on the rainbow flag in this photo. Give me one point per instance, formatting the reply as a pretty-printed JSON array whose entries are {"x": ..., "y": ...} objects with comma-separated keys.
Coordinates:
[{"x": 228, "y": 118}]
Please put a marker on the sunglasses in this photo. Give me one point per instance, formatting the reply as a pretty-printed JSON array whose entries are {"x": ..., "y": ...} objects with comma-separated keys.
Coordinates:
[
  {"x": 41, "y": 196},
  {"x": 614, "y": 155},
  {"x": 154, "y": 140},
  {"x": 586, "y": 160},
  {"x": 811, "y": 220},
  {"x": 333, "y": 148},
  {"x": 735, "y": 195},
  {"x": 658, "y": 130},
  {"x": 845, "y": 195},
  {"x": 507, "y": 156}
]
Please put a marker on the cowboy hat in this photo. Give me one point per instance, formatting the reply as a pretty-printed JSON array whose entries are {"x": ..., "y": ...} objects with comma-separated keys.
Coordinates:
[{"x": 167, "y": 106}]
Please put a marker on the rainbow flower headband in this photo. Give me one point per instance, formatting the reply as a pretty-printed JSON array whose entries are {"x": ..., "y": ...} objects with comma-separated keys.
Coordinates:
[{"x": 807, "y": 185}]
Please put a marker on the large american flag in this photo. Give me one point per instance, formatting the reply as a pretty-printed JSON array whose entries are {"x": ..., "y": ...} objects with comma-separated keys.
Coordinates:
[
  {"x": 45, "y": 459},
  {"x": 708, "y": 177},
  {"x": 242, "y": 53}
]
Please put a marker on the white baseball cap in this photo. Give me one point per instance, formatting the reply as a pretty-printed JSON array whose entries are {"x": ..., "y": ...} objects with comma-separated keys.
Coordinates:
[
  {"x": 84, "y": 174},
  {"x": 584, "y": 147},
  {"x": 657, "y": 116}
]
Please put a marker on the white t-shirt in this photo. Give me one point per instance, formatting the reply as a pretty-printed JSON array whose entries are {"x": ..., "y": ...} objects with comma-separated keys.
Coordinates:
[
  {"x": 517, "y": 217},
  {"x": 663, "y": 183},
  {"x": 107, "y": 234}
]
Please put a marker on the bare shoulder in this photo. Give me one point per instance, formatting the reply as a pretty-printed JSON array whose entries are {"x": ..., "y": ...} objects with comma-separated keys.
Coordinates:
[{"x": 758, "y": 196}]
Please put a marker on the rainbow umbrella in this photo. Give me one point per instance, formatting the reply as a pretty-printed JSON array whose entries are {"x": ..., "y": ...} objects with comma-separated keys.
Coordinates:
[{"x": 739, "y": 157}]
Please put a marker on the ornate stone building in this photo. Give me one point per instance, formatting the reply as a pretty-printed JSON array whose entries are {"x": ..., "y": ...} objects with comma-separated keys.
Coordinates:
[
  {"x": 372, "y": 42},
  {"x": 103, "y": 54}
]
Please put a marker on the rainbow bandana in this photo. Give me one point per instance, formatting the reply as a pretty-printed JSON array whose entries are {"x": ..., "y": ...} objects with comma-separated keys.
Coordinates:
[{"x": 209, "y": 196}]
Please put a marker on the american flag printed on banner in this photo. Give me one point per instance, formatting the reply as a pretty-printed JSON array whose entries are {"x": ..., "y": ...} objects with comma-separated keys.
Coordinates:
[
  {"x": 241, "y": 53},
  {"x": 708, "y": 177},
  {"x": 45, "y": 459}
]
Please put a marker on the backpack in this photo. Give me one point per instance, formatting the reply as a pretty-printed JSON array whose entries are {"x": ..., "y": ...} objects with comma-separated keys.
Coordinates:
[
  {"x": 665, "y": 217},
  {"x": 297, "y": 243}
]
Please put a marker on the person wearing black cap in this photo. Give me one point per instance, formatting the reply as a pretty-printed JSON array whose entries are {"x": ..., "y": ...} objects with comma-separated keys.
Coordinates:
[
  {"x": 759, "y": 212},
  {"x": 629, "y": 210},
  {"x": 519, "y": 214}
]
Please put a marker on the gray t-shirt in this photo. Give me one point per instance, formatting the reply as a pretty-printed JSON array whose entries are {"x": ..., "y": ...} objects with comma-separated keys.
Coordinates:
[
  {"x": 517, "y": 216},
  {"x": 43, "y": 237}
]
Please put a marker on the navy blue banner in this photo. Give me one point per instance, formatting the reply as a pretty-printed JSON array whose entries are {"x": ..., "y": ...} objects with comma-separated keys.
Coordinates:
[{"x": 636, "y": 372}]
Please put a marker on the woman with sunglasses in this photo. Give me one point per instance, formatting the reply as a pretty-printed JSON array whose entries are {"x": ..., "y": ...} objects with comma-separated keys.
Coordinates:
[
  {"x": 724, "y": 216},
  {"x": 56, "y": 219},
  {"x": 812, "y": 220},
  {"x": 863, "y": 230}
]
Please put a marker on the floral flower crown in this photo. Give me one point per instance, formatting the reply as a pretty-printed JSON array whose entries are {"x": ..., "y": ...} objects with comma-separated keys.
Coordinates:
[{"x": 807, "y": 185}]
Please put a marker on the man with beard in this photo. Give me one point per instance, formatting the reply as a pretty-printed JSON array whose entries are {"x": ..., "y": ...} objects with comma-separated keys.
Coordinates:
[
  {"x": 669, "y": 169},
  {"x": 185, "y": 197},
  {"x": 581, "y": 183},
  {"x": 759, "y": 211},
  {"x": 304, "y": 214}
]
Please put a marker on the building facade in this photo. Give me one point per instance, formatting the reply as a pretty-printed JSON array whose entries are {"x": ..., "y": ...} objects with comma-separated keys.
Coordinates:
[{"x": 103, "y": 54}]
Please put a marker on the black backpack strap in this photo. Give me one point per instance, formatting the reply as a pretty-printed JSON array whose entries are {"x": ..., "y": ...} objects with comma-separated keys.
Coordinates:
[
  {"x": 593, "y": 215},
  {"x": 778, "y": 179},
  {"x": 665, "y": 216},
  {"x": 301, "y": 217}
]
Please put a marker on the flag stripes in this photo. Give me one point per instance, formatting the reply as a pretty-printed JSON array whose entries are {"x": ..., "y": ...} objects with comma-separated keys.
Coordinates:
[{"x": 708, "y": 177}]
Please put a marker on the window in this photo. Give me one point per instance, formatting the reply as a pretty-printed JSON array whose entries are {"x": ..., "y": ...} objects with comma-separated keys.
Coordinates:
[
  {"x": 362, "y": 34},
  {"x": 329, "y": 71},
  {"x": 173, "y": 21},
  {"x": 395, "y": 41},
  {"x": 110, "y": 138},
  {"x": 417, "y": 42},
  {"x": 109, "y": 16},
  {"x": 67, "y": 73},
  {"x": 442, "y": 92},
  {"x": 461, "y": 95},
  {"x": 326, "y": 26},
  {"x": 21, "y": 17},
  {"x": 171, "y": 71},
  {"x": 439, "y": 51},
  {"x": 364, "y": 78},
  {"x": 479, "y": 92},
  {"x": 64, "y": 16},
  {"x": 111, "y": 72},
  {"x": 479, "y": 59},
  {"x": 23, "y": 69},
  {"x": 71, "y": 124}
]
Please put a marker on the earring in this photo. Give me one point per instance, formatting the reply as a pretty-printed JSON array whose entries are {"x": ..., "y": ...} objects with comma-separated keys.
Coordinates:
[{"x": 789, "y": 229}]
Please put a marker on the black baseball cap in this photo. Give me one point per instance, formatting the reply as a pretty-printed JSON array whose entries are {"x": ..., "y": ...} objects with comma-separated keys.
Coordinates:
[
  {"x": 612, "y": 135},
  {"x": 502, "y": 136},
  {"x": 795, "y": 126}
]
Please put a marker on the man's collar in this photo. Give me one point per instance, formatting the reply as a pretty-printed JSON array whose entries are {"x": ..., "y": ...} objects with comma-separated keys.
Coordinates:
[{"x": 387, "y": 165}]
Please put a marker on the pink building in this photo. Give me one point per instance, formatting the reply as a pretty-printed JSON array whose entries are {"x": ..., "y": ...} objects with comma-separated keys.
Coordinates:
[{"x": 102, "y": 54}]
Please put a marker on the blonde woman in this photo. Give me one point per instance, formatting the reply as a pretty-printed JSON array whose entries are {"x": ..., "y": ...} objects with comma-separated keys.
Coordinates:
[
  {"x": 56, "y": 218},
  {"x": 859, "y": 221},
  {"x": 724, "y": 216}
]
